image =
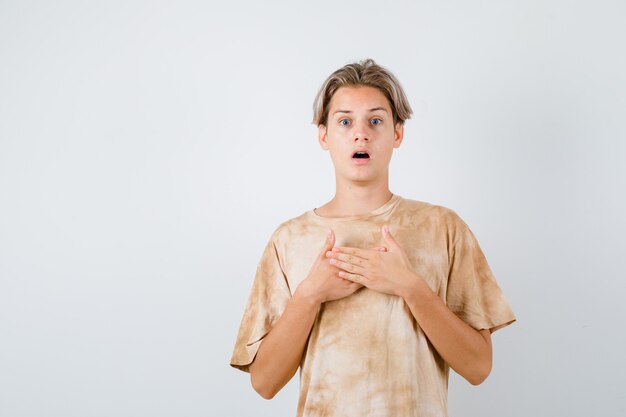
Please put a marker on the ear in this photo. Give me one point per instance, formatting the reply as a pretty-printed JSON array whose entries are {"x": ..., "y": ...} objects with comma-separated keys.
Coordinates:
[
  {"x": 322, "y": 138},
  {"x": 399, "y": 135}
]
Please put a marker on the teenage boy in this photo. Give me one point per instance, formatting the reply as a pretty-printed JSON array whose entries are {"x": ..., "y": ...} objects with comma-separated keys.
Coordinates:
[{"x": 372, "y": 295}]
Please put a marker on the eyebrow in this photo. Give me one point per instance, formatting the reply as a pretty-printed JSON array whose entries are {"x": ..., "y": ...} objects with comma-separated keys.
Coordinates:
[{"x": 350, "y": 111}]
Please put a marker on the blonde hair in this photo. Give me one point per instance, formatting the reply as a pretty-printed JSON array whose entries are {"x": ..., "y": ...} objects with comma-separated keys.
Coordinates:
[{"x": 364, "y": 73}]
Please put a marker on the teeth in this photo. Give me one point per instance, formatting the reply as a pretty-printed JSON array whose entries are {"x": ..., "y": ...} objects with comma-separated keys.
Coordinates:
[{"x": 361, "y": 155}]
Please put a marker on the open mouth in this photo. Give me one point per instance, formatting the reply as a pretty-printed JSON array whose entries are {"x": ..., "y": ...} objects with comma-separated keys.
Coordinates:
[{"x": 361, "y": 155}]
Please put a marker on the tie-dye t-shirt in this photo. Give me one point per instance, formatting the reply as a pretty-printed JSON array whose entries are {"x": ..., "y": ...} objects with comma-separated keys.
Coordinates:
[{"x": 366, "y": 355}]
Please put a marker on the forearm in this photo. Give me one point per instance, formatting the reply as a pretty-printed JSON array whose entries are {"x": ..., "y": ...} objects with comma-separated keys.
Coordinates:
[
  {"x": 280, "y": 352},
  {"x": 465, "y": 349}
]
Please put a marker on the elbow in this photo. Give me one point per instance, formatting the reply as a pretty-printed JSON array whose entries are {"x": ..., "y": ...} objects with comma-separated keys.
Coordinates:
[
  {"x": 265, "y": 393},
  {"x": 265, "y": 390},
  {"x": 482, "y": 363},
  {"x": 477, "y": 379},
  {"x": 479, "y": 374}
]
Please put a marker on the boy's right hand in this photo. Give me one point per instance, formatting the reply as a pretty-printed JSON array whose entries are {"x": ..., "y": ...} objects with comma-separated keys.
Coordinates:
[{"x": 323, "y": 282}]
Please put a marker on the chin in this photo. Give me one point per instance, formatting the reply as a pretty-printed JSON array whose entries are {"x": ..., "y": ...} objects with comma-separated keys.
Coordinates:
[{"x": 362, "y": 179}]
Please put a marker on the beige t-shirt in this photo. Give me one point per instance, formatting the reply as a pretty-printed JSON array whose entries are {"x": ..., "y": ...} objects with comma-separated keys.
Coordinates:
[{"x": 366, "y": 355}]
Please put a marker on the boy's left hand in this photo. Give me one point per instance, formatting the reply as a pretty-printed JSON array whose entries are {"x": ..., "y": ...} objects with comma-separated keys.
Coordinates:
[{"x": 383, "y": 269}]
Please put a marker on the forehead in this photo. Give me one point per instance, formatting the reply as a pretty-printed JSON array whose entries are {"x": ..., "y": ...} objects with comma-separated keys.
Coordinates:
[{"x": 358, "y": 98}]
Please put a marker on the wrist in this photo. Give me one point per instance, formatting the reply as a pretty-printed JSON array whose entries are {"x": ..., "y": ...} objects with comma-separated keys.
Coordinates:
[
  {"x": 306, "y": 293},
  {"x": 415, "y": 287}
]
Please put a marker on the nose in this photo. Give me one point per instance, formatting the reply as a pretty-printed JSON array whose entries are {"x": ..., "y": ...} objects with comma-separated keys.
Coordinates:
[{"x": 361, "y": 132}]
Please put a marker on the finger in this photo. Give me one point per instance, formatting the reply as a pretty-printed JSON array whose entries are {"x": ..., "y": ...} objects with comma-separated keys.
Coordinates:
[
  {"x": 361, "y": 253},
  {"x": 329, "y": 243},
  {"x": 356, "y": 278},
  {"x": 380, "y": 249},
  {"x": 356, "y": 269},
  {"x": 389, "y": 238},
  {"x": 353, "y": 286},
  {"x": 356, "y": 285},
  {"x": 351, "y": 259}
]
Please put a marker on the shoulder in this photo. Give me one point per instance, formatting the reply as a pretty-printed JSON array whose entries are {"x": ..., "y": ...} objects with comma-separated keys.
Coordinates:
[
  {"x": 436, "y": 213},
  {"x": 296, "y": 226}
]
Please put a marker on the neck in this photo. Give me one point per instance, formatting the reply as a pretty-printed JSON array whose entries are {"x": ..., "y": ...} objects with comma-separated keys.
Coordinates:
[{"x": 354, "y": 199}]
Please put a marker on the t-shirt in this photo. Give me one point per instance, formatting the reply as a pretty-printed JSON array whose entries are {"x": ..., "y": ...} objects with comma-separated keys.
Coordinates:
[{"x": 366, "y": 355}]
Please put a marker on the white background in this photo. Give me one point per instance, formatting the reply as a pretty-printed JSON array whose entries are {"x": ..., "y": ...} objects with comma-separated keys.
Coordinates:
[{"x": 148, "y": 150}]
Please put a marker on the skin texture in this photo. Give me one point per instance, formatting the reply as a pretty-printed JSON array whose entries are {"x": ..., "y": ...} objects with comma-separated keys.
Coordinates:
[{"x": 361, "y": 117}]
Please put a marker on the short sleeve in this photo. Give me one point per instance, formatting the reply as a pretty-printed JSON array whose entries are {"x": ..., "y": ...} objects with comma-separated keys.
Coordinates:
[
  {"x": 268, "y": 298},
  {"x": 472, "y": 291}
]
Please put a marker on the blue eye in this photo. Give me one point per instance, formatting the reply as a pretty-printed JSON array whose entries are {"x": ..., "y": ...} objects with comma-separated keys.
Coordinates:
[
  {"x": 376, "y": 121},
  {"x": 344, "y": 122}
]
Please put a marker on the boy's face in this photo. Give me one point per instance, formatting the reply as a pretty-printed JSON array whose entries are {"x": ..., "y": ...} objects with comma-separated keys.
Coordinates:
[{"x": 360, "y": 134}]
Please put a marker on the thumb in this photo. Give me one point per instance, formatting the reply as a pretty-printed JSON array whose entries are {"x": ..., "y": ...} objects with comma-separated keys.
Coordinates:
[
  {"x": 388, "y": 238},
  {"x": 329, "y": 243}
]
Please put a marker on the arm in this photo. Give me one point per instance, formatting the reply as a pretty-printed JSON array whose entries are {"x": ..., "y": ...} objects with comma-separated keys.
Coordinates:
[
  {"x": 280, "y": 352},
  {"x": 465, "y": 349}
]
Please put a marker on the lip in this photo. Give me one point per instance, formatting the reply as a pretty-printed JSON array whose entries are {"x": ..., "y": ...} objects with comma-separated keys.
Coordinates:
[
  {"x": 361, "y": 149},
  {"x": 361, "y": 161}
]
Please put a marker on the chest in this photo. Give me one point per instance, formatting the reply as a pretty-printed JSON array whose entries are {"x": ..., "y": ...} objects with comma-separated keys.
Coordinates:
[{"x": 425, "y": 247}]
